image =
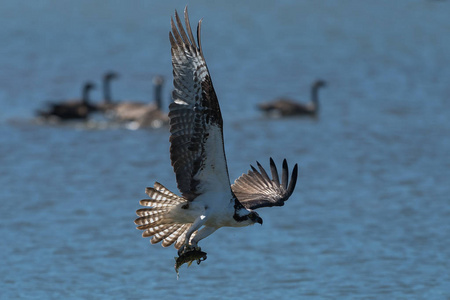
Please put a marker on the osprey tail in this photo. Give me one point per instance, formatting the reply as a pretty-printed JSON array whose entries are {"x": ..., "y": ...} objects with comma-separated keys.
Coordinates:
[{"x": 152, "y": 221}]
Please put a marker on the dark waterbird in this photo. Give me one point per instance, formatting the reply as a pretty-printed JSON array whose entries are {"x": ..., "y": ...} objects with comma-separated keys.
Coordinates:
[
  {"x": 77, "y": 109},
  {"x": 287, "y": 107}
]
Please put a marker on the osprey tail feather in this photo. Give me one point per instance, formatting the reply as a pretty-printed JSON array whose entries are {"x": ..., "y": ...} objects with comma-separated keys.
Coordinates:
[{"x": 152, "y": 220}]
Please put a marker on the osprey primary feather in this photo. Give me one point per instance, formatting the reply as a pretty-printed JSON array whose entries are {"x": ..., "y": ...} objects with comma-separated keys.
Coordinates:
[{"x": 207, "y": 200}]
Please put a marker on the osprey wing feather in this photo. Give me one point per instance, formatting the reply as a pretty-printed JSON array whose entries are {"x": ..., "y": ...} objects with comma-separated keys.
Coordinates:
[
  {"x": 255, "y": 189},
  {"x": 196, "y": 126}
]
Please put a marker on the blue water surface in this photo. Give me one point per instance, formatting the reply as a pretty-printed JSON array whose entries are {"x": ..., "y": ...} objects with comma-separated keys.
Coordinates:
[{"x": 369, "y": 218}]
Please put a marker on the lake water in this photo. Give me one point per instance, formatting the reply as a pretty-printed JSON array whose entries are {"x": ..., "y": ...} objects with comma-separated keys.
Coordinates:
[{"x": 369, "y": 219}]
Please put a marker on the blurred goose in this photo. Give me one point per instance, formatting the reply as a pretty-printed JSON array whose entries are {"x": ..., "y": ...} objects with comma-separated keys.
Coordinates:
[
  {"x": 72, "y": 109},
  {"x": 287, "y": 107},
  {"x": 143, "y": 114},
  {"x": 106, "y": 84}
]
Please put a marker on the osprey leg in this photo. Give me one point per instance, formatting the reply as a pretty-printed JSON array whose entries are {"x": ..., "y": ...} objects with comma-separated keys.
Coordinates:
[
  {"x": 204, "y": 232},
  {"x": 194, "y": 227}
]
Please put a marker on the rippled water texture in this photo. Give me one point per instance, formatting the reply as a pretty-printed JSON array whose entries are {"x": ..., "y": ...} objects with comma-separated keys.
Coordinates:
[{"x": 369, "y": 218}]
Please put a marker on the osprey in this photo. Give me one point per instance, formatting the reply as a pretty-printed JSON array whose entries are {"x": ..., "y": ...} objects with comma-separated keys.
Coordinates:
[{"x": 208, "y": 201}]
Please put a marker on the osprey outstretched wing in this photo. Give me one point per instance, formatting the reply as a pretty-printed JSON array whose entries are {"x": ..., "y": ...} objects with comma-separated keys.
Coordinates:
[
  {"x": 196, "y": 151},
  {"x": 208, "y": 201},
  {"x": 255, "y": 189}
]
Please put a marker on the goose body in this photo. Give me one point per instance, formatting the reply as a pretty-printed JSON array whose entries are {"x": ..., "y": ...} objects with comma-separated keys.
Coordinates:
[
  {"x": 71, "y": 109},
  {"x": 118, "y": 110},
  {"x": 143, "y": 114},
  {"x": 288, "y": 107},
  {"x": 149, "y": 116}
]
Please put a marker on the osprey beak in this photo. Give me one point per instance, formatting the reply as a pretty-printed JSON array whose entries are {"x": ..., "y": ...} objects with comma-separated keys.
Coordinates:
[{"x": 259, "y": 220}]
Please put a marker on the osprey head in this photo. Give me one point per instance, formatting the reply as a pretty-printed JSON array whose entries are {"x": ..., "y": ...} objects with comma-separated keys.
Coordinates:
[
  {"x": 254, "y": 217},
  {"x": 246, "y": 216}
]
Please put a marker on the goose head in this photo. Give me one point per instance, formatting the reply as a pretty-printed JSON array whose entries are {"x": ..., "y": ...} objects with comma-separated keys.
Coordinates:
[
  {"x": 106, "y": 85},
  {"x": 87, "y": 87},
  {"x": 319, "y": 83},
  {"x": 109, "y": 76},
  {"x": 314, "y": 96},
  {"x": 158, "y": 82}
]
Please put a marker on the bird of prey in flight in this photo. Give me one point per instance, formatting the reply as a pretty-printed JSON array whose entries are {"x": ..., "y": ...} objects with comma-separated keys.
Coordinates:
[{"x": 208, "y": 201}]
